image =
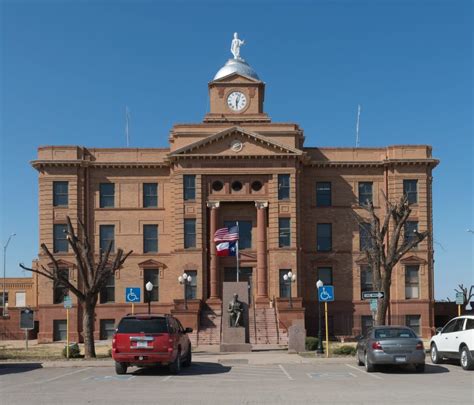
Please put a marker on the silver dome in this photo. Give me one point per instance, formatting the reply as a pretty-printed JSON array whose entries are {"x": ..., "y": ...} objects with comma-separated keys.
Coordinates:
[{"x": 238, "y": 66}]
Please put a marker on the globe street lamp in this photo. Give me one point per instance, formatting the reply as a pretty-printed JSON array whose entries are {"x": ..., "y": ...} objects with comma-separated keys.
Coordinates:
[
  {"x": 4, "y": 301},
  {"x": 185, "y": 280},
  {"x": 319, "y": 348},
  {"x": 149, "y": 288},
  {"x": 290, "y": 278}
]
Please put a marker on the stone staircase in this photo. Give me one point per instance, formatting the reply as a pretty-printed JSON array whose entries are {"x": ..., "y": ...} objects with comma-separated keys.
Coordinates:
[
  {"x": 209, "y": 328},
  {"x": 264, "y": 328}
]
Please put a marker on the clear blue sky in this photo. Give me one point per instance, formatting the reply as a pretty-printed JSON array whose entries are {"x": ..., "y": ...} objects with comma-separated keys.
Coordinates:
[{"x": 68, "y": 68}]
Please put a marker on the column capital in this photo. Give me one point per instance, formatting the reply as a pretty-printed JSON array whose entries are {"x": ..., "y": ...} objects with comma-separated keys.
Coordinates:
[
  {"x": 213, "y": 204},
  {"x": 261, "y": 204}
]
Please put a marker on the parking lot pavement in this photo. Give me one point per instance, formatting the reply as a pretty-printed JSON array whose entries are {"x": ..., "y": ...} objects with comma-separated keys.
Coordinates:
[{"x": 230, "y": 381}]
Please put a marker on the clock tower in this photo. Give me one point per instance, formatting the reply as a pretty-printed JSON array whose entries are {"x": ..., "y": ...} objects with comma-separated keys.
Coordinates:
[{"x": 236, "y": 93}]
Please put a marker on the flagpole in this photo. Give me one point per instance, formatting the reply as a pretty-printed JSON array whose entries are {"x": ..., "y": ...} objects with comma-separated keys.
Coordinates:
[{"x": 237, "y": 250}]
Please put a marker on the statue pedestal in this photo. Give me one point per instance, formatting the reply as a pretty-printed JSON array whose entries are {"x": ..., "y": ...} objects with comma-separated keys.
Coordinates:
[{"x": 235, "y": 339}]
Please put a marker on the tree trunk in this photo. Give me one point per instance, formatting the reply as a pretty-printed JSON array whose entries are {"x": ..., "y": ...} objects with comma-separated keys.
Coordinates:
[
  {"x": 88, "y": 327},
  {"x": 381, "y": 314}
]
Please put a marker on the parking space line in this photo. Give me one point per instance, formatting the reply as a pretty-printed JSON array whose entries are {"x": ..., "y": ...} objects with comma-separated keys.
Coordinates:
[
  {"x": 364, "y": 372},
  {"x": 63, "y": 375},
  {"x": 166, "y": 378},
  {"x": 285, "y": 372}
]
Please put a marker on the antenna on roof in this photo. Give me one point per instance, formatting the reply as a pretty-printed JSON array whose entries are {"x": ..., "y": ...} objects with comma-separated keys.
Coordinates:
[
  {"x": 357, "y": 127},
  {"x": 127, "y": 119}
]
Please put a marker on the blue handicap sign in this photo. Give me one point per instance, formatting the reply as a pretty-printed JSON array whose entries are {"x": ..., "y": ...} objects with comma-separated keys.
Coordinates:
[
  {"x": 132, "y": 294},
  {"x": 326, "y": 293}
]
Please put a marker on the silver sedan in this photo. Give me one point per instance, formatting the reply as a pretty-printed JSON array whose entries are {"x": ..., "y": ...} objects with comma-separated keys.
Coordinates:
[{"x": 395, "y": 345}]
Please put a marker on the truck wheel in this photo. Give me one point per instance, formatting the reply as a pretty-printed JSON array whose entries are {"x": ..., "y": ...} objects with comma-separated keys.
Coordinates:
[
  {"x": 121, "y": 368},
  {"x": 467, "y": 362},
  {"x": 434, "y": 354},
  {"x": 175, "y": 366}
]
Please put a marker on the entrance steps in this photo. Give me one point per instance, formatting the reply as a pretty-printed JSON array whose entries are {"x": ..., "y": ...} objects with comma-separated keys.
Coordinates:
[
  {"x": 264, "y": 328},
  {"x": 209, "y": 328}
]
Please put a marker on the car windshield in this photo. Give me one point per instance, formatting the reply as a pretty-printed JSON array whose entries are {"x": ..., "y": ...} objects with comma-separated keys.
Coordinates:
[
  {"x": 393, "y": 333},
  {"x": 143, "y": 325}
]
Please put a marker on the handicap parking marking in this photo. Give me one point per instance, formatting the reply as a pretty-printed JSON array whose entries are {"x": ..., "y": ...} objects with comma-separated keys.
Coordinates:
[
  {"x": 126, "y": 377},
  {"x": 331, "y": 375},
  {"x": 377, "y": 377}
]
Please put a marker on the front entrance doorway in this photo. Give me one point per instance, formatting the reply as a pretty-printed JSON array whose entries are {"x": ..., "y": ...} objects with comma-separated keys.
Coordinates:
[{"x": 245, "y": 274}]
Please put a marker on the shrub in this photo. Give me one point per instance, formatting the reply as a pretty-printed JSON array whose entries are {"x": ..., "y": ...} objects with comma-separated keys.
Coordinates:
[
  {"x": 74, "y": 351},
  {"x": 311, "y": 343},
  {"x": 345, "y": 350}
]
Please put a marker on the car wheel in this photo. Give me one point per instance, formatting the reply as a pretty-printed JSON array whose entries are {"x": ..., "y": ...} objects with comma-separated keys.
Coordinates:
[
  {"x": 359, "y": 362},
  {"x": 467, "y": 362},
  {"x": 369, "y": 367},
  {"x": 420, "y": 368},
  {"x": 434, "y": 354},
  {"x": 187, "y": 361},
  {"x": 121, "y": 368},
  {"x": 175, "y": 366}
]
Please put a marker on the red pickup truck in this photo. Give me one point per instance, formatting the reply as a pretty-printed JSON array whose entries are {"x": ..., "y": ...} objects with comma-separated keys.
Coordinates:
[{"x": 151, "y": 340}]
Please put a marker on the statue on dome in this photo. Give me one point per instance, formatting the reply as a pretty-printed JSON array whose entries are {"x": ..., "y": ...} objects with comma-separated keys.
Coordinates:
[{"x": 235, "y": 47}]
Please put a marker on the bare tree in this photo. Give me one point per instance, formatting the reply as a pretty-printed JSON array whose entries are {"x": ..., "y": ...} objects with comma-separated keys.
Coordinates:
[
  {"x": 93, "y": 276},
  {"x": 387, "y": 245}
]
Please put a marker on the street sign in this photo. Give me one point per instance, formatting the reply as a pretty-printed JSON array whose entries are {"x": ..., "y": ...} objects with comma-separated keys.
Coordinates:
[
  {"x": 326, "y": 293},
  {"x": 27, "y": 320},
  {"x": 459, "y": 298},
  {"x": 132, "y": 294},
  {"x": 373, "y": 305},
  {"x": 67, "y": 302},
  {"x": 368, "y": 295}
]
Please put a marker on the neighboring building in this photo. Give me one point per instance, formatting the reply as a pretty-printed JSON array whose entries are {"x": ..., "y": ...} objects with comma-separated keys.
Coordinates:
[{"x": 295, "y": 206}]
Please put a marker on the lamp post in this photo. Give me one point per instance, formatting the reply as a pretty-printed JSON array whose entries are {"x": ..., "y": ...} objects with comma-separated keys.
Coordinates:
[
  {"x": 320, "y": 348},
  {"x": 4, "y": 305},
  {"x": 185, "y": 280},
  {"x": 149, "y": 288},
  {"x": 290, "y": 278}
]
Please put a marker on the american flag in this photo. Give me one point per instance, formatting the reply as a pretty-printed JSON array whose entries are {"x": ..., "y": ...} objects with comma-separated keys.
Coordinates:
[{"x": 227, "y": 234}]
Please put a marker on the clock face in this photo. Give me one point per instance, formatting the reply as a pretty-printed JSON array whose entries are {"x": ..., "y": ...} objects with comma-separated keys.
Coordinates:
[{"x": 236, "y": 101}]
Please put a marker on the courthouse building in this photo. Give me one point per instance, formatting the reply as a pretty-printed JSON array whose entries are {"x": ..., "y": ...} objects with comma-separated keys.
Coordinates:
[{"x": 295, "y": 205}]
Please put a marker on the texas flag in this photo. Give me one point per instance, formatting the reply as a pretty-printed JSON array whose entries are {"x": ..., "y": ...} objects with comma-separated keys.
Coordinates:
[{"x": 226, "y": 249}]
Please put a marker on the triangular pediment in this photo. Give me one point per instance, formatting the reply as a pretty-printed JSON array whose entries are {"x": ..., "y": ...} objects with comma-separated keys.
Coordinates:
[
  {"x": 413, "y": 260},
  {"x": 236, "y": 142},
  {"x": 236, "y": 78},
  {"x": 62, "y": 264},
  {"x": 152, "y": 263}
]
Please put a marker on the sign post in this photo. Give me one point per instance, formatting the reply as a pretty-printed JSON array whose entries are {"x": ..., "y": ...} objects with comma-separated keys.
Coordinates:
[
  {"x": 27, "y": 322},
  {"x": 459, "y": 301},
  {"x": 326, "y": 293},
  {"x": 132, "y": 295},
  {"x": 68, "y": 305}
]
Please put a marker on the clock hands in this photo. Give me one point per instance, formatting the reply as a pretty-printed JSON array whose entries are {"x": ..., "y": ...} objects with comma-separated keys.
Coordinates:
[{"x": 237, "y": 99}]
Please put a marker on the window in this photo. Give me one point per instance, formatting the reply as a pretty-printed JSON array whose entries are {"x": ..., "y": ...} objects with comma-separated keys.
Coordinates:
[
  {"x": 245, "y": 233},
  {"x": 365, "y": 240},
  {"x": 324, "y": 237},
  {"x": 1, "y": 298},
  {"x": 366, "y": 322},
  {"x": 59, "y": 290},
  {"x": 20, "y": 299},
  {"x": 151, "y": 275},
  {"x": 284, "y": 236},
  {"x": 410, "y": 190},
  {"x": 60, "y": 193},
  {"x": 107, "y": 329},
  {"x": 150, "y": 238},
  {"x": 452, "y": 326},
  {"x": 107, "y": 293},
  {"x": 366, "y": 278},
  {"x": 284, "y": 285},
  {"x": 325, "y": 275},
  {"x": 59, "y": 330},
  {"x": 106, "y": 236},
  {"x": 323, "y": 194},
  {"x": 283, "y": 186},
  {"x": 150, "y": 195},
  {"x": 412, "y": 282},
  {"x": 365, "y": 192},
  {"x": 469, "y": 324},
  {"x": 107, "y": 195},
  {"x": 60, "y": 243},
  {"x": 189, "y": 233},
  {"x": 191, "y": 289},
  {"x": 411, "y": 227},
  {"x": 413, "y": 321},
  {"x": 189, "y": 187}
]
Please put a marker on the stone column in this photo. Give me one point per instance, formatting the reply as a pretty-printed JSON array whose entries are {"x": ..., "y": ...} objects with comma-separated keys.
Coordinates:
[
  {"x": 262, "y": 285},
  {"x": 213, "y": 276}
]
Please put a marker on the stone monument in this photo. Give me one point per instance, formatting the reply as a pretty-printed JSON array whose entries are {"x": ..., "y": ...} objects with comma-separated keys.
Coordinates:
[{"x": 235, "y": 317}]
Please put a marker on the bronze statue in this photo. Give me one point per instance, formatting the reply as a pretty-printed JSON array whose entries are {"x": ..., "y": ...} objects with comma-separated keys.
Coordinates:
[{"x": 235, "y": 310}]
